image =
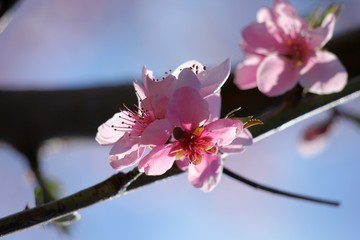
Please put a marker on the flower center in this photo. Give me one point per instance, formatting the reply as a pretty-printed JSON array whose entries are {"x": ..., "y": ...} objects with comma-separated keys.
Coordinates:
[
  {"x": 298, "y": 50},
  {"x": 192, "y": 145}
]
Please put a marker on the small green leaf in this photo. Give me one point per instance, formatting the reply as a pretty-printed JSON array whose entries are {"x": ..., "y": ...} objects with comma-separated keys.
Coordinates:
[
  {"x": 318, "y": 16},
  {"x": 39, "y": 196},
  {"x": 52, "y": 187}
]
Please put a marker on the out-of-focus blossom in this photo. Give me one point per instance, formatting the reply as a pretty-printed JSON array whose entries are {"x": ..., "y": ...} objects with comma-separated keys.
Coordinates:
[
  {"x": 132, "y": 131},
  {"x": 197, "y": 142},
  {"x": 282, "y": 49},
  {"x": 314, "y": 138}
]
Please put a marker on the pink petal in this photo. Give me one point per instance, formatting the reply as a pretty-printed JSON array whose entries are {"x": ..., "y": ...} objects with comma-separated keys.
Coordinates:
[
  {"x": 156, "y": 105},
  {"x": 258, "y": 38},
  {"x": 147, "y": 76},
  {"x": 188, "y": 64},
  {"x": 207, "y": 174},
  {"x": 264, "y": 14},
  {"x": 157, "y": 161},
  {"x": 276, "y": 75},
  {"x": 187, "y": 78},
  {"x": 245, "y": 74},
  {"x": 222, "y": 131},
  {"x": 125, "y": 152},
  {"x": 125, "y": 144},
  {"x": 287, "y": 19},
  {"x": 243, "y": 138},
  {"x": 318, "y": 37},
  {"x": 163, "y": 87},
  {"x": 157, "y": 133},
  {"x": 183, "y": 163},
  {"x": 126, "y": 160},
  {"x": 326, "y": 76},
  {"x": 140, "y": 90},
  {"x": 214, "y": 103},
  {"x": 106, "y": 132},
  {"x": 187, "y": 109},
  {"x": 213, "y": 79}
]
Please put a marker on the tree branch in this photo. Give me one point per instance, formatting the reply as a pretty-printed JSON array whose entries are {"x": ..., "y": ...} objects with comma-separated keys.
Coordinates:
[
  {"x": 55, "y": 209},
  {"x": 121, "y": 182}
]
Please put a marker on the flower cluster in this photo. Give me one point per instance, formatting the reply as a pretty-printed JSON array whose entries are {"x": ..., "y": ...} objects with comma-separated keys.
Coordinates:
[
  {"x": 283, "y": 49},
  {"x": 177, "y": 118},
  {"x": 178, "y": 121}
]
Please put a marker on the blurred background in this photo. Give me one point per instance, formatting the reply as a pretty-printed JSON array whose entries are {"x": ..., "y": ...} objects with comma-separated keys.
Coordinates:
[{"x": 63, "y": 44}]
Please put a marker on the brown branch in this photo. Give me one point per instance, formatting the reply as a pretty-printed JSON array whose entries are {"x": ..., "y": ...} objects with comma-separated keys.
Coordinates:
[{"x": 49, "y": 211}]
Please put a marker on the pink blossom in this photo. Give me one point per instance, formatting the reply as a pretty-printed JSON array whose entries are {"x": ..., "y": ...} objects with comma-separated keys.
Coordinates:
[
  {"x": 281, "y": 50},
  {"x": 196, "y": 142},
  {"x": 132, "y": 131},
  {"x": 315, "y": 137}
]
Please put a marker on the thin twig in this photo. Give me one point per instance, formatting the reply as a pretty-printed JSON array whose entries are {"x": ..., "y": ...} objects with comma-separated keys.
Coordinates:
[{"x": 276, "y": 191}]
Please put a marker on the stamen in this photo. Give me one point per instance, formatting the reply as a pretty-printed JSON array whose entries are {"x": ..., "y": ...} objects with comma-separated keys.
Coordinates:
[{"x": 231, "y": 113}]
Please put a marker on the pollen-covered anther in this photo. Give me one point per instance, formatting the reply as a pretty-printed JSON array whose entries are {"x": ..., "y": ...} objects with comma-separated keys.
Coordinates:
[
  {"x": 195, "y": 158},
  {"x": 197, "y": 131}
]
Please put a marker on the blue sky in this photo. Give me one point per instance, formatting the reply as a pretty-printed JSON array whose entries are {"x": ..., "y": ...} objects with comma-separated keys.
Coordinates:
[{"x": 67, "y": 44}]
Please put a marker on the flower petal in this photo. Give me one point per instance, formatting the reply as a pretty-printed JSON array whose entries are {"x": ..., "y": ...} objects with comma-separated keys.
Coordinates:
[
  {"x": 187, "y": 78},
  {"x": 125, "y": 152},
  {"x": 189, "y": 64},
  {"x": 156, "y": 105},
  {"x": 222, "y": 131},
  {"x": 147, "y": 76},
  {"x": 213, "y": 79},
  {"x": 326, "y": 76},
  {"x": 245, "y": 74},
  {"x": 214, "y": 103},
  {"x": 266, "y": 15},
  {"x": 207, "y": 174},
  {"x": 127, "y": 160},
  {"x": 258, "y": 38},
  {"x": 124, "y": 144},
  {"x": 157, "y": 133},
  {"x": 183, "y": 163},
  {"x": 157, "y": 161},
  {"x": 318, "y": 37},
  {"x": 276, "y": 75},
  {"x": 154, "y": 87},
  {"x": 243, "y": 138},
  {"x": 287, "y": 19},
  {"x": 187, "y": 109},
  {"x": 139, "y": 90},
  {"x": 106, "y": 132}
]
